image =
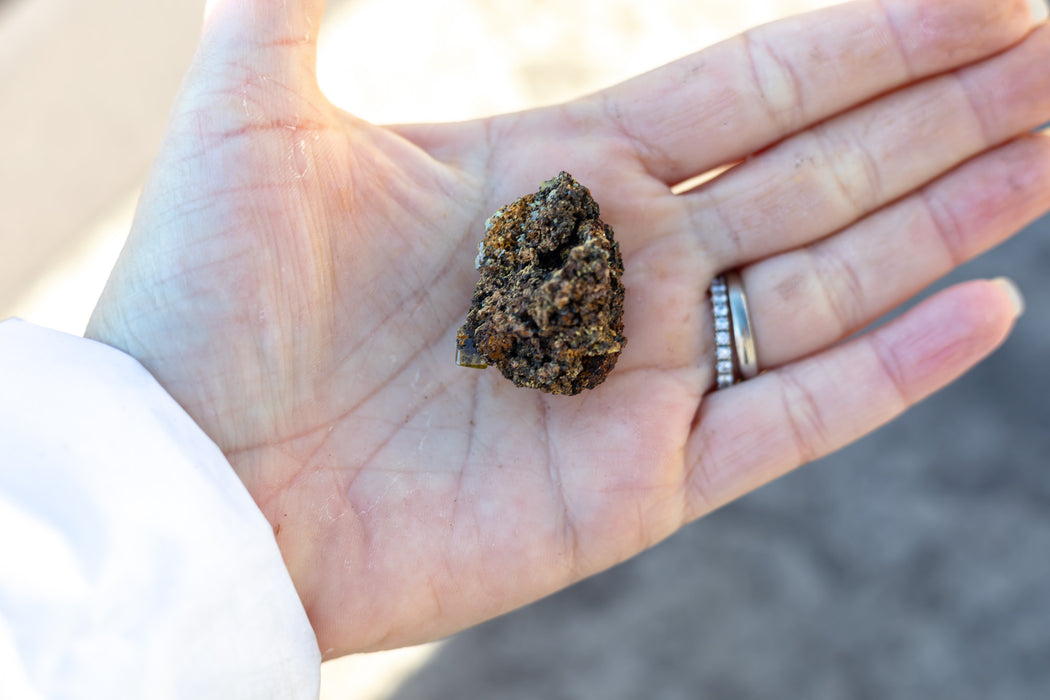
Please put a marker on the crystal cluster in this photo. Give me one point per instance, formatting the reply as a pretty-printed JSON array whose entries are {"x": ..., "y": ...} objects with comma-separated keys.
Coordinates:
[{"x": 548, "y": 307}]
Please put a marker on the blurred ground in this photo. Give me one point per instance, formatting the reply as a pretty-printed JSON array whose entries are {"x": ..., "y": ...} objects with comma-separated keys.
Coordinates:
[{"x": 914, "y": 564}]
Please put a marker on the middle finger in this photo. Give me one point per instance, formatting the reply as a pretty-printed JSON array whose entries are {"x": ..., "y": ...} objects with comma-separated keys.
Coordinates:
[{"x": 824, "y": 179}]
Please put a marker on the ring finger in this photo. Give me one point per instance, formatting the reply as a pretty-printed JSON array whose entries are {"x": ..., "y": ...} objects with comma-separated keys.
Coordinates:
[{"x": 804, "y": 300}]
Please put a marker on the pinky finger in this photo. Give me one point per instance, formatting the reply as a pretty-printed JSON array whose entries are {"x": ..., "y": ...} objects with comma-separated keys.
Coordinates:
[{"x": 761, "y": 429}]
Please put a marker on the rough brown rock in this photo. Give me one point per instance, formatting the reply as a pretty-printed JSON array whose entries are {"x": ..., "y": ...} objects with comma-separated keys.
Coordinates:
[{"x": 548, "y": 307}]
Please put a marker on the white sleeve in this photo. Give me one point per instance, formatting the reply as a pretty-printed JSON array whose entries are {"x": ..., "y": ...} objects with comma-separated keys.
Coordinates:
[{"x": 133, "y": 562}]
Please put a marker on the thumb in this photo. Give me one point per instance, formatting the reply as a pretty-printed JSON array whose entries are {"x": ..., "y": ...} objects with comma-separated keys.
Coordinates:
[
  {"x": 255, "y": 65},
  {"x": 273, "y": 37}
]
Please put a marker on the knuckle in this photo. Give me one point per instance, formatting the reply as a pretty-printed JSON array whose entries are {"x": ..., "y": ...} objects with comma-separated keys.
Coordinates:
[
  {"x": 854, "y": 173},
  {"x": 776, "y": 82},
  {"x": 946, "y": 227},
  {"x": 805, "y": 420},
  {"x": 842, "y": 287}
]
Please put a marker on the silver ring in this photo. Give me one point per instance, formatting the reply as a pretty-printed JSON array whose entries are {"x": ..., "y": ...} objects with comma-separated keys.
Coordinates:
[
  {"x": 743, "y": 336},
  {"x": 735, "y": 356},
  {"x": 724, "y": 366}
]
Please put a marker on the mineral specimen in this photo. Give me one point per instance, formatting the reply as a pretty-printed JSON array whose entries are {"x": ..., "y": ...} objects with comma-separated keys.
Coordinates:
[{"x": 548, "y": 307}]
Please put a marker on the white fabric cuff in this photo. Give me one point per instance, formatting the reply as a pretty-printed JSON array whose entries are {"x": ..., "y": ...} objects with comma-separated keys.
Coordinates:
[{"x": 133, "y": 562}]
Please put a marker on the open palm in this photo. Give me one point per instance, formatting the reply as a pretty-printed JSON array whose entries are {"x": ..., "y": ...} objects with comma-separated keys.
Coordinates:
[{"x": 295, "y": 278}]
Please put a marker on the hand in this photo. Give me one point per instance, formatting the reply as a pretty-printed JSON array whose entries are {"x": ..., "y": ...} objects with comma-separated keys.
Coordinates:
[{"x": 295, "y": 278}]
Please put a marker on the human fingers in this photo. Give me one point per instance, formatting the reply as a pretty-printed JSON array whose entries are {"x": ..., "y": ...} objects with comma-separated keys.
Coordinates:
[
  {"x": 806, "y": 299},
  {"x": 833, "y": 174},
  {"x": 767, "y": 426},
  {"x": 729, "y": 101},
  {"x": 803, "y": 300}
]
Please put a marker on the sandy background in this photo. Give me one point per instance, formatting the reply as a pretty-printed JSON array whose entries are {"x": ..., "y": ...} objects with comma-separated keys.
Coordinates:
[{"x": 915, "y": 564}]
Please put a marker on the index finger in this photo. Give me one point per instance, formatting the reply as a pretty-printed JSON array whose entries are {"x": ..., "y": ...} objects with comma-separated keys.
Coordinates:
[{"x": 737, "y": 97}]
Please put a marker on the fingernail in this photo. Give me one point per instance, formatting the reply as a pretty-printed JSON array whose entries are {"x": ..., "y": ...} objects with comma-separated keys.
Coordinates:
[
  {"x": 1039, "y": 9},
  {"x": 1016, "y": 298}
]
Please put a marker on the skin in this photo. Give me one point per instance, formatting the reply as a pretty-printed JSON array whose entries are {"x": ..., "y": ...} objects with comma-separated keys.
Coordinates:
[{"x": 295, "y": 278}]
